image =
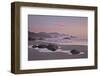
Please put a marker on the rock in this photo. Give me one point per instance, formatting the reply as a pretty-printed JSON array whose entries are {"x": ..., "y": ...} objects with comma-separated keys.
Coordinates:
[
  {"x": 31, "y": 39},
  {"x": 42, "y": 46},
  {"x": 34, "y": 46},
  {"x": 67, "y": 38},
  {"x": 52, "y": 47},
  {"x": 74, "y": 52},
  {"x": 41, "y": 38}
]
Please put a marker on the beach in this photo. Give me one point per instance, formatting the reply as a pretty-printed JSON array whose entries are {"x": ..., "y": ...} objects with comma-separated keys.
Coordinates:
[{"x": 62, "y": 53}]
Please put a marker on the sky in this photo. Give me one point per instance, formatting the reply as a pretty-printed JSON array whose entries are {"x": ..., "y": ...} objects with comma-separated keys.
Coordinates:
[{"x": 77, "y": 26}]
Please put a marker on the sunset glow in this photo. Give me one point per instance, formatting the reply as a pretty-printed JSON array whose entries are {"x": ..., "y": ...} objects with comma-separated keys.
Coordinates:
[{"x": 62, "y": 24}]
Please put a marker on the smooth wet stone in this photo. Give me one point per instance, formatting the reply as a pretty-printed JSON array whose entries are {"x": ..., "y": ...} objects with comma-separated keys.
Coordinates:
[
  {"x": 52, "y": 47},
  {"x": 42, "y": 46},
  {"x": 74, "y": 52}
]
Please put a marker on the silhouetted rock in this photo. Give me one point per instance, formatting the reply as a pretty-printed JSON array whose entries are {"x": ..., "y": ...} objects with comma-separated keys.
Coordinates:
[
  {"x": 30, "y": 38},
  {"x": 42, "y": 46},
  {"x": 41, "y": 38},
  {"x": 52, "y": 47},
  {"x": 34, "y": 46},
  {"x": 75, "y": 51},
  {"x": 67, "y": 38}
]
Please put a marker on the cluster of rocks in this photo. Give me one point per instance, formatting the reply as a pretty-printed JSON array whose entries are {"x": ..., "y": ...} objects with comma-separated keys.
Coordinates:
[{"x": 54, "y": 47}]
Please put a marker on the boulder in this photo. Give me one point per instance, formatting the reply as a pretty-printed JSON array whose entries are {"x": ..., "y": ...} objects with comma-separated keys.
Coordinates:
[
  {"x": 34, "y": 46},
  {"x": 67, "y": 38},
  {"x": 52, "y": 47},
  {"x": 42, "y": 46},
  {"x": 74, "y": 52}
]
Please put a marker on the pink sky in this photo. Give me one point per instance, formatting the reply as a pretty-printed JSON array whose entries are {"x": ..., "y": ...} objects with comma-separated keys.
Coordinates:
[{"x": 62, "y": 24}]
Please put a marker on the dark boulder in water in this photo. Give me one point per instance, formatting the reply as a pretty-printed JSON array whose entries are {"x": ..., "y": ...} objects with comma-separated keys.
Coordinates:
[
  {"x": 67, "y": 38},
  {"x": 74, "y": 52},
  {"x": 31, "y": 39},
  {"x": 34, "y": 46},
  {"x": 52, "y": 47},
  {"x": 42, "y": 46}
]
